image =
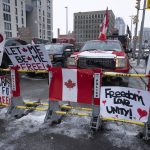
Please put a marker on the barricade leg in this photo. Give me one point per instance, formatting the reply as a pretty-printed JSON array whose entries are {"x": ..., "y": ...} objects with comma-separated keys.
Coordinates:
[
  {"x": 147, "y": 124},
  {"x": 51, "y": 116},
  {"x": 147, "y": 129},
  {"x": 16, "y": 98},
  {"x": 96, "y": 121}
]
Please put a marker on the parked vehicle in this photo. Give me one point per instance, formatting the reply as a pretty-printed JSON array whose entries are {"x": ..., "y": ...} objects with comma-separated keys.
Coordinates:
[
  {"x": 59, "y": 52},
  {"x": 108, "y": 55}
]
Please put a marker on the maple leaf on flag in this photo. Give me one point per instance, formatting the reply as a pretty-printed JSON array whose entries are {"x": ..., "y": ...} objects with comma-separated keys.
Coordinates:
[
  {"x": 69, "y": 84},
  {"x": 104, "y": 26}
]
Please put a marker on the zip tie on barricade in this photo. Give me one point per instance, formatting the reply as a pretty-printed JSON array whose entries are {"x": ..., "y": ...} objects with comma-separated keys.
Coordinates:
[
  {"x": 122, "y": 120},
  {"x": 72, "y": 113}
]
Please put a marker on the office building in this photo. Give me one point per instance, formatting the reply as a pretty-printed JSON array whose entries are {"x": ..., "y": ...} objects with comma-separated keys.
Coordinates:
[
  {"x": 120, "y": 25},
  {"x": 27, "y": 19},
  {"x": 40, "y": 18},
  {"x": 87, "y": 25},
  {"x": 13, "y": 16},
  {"x": 146, "y": 35}
]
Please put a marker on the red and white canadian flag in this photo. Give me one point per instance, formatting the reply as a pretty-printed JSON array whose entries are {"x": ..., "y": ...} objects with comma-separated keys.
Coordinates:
[
  {"x": 73, "y": 85},
  {"x": 2, "y": 42},
  {"x": 104, "y": 26}
]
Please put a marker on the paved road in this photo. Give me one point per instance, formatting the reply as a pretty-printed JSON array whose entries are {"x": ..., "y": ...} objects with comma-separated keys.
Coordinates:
[{"x": 29, "y": 132}]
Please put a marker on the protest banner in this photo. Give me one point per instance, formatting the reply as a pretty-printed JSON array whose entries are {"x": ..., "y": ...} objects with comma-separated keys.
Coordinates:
[
  {"x": 124, "y": 103},
  {"x": 5, "y": 91},
  {"x": 29, "y": 57}
]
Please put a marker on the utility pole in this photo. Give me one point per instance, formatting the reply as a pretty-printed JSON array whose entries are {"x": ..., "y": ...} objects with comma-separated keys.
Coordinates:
[
  {"x": 136, "y": 20},
  {"x": 141, "y": 33},
  {"x": 66, "y": 20}
]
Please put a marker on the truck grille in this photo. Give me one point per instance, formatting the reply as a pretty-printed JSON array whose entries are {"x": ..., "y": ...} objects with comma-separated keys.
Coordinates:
[{"x": 104, "y": 63}]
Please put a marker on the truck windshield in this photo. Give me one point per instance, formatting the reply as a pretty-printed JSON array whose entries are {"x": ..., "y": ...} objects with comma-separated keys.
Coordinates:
[
  {"x": 102, "y": 45},
  {"x": 54, "y": 47}
]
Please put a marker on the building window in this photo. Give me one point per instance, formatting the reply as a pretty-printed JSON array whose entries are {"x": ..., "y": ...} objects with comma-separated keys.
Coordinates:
[
  {"x": 8, "y": 34},
  {"x": 21, "y": 4},
  {"x": 7, "y": 26},
  {"x": 48, "y": 27},
  {"x": 6, "y": 8},
  {"x": 7, "y": 17},
  {"x": 15, "y": 2},
  {"x": 21, "y": 12},
  {"x": 48, "y": 21},
  {"x": 16, "y": 11},
  {"x": 22, "y": 21},
  {"x": 16, "y": 19},
  {"x": 48, "y": 15},
  {"x": 6, "y": 1}
]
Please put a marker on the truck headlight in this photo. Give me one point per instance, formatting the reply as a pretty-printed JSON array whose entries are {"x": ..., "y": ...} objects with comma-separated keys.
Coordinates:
[
  {"x": 71, "y": 61},
  {"x": 121, "y": 62}
]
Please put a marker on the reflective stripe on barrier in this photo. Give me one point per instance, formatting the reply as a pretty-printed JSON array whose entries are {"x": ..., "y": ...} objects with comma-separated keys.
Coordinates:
[
  {"x": 72, "y": 113},
  {"x": 124, "y": 74},
  {"x": 104, "y": 73},
  {"x": 125, "y": 121},
  {"x": 31, "y": 108},
  {"x": 2, "y": 104}
]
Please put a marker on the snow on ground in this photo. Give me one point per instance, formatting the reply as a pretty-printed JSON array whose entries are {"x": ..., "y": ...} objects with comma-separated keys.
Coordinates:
[{"x": 120, "y": 134}]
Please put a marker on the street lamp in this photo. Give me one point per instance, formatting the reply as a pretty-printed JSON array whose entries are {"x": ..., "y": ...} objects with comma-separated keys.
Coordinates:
[
  {"x": 66, "y": 20},
  {"x": 137, "y": 6},
  {"x": 131, "y": 23},
  {"x": 141, "y": 33}
]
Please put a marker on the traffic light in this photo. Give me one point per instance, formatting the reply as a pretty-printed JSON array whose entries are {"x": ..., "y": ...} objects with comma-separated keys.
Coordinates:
[
  {"x": 148, "y": 4},
  {"x": 137, "y": 6}
]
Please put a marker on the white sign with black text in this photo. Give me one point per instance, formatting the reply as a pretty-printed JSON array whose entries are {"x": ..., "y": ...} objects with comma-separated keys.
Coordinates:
[
  {"x": 5, "y": 91},
  {"x": 124, "y": 103},
  {"x": 29, "y": 57}
]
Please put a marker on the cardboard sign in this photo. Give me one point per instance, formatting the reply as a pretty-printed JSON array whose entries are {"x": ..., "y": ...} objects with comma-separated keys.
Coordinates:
[
  {"x": 124, "y": 103},
  {"x": 5, "y": 91},
  {"x": 29, "y": 57},
  {"x": 2, "y": 41}
]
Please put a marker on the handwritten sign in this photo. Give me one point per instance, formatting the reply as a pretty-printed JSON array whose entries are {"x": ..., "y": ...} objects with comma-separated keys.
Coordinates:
[
  {"x": 5, "y": 91},
  {"x": 125, "y": 103},
  {"x": 29, "y": 57}
]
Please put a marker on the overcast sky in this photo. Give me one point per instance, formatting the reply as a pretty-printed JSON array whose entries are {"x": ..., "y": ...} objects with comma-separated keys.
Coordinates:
[{"x": 121, "y": 8}]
